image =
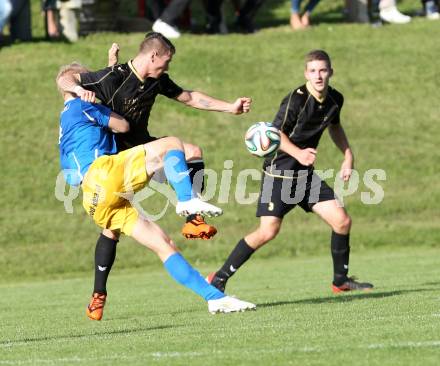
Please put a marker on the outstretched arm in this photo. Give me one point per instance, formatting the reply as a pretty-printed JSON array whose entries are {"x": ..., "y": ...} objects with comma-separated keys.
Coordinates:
[
  {"x": 200, "y": 100},
  {"x": 340, "y": 139}
]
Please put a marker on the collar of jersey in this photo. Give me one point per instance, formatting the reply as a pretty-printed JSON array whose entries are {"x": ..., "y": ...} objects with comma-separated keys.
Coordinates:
[
  {"x": 311, "y": 91},
  {"x": 70, "y": 100},
  {"x": 130, "y": 65}
]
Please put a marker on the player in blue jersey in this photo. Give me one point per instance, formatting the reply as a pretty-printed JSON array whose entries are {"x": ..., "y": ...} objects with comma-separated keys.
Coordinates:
[
  {"x": 85, "y": 134},
  {"x": 109, "y": 180}
]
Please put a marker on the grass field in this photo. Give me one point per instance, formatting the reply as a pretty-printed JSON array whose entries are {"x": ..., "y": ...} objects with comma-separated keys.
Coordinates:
[
  {"x": 149, "y": 320},
  {"x": 390, "y": 79}
]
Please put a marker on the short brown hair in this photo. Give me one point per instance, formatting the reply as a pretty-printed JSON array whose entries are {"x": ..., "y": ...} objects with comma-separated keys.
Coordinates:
[
  {"x": 155, "y": 40},
  {"x": 318, "y": 55}
]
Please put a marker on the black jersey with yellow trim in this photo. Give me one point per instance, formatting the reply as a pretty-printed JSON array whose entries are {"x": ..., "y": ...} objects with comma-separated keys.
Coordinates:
[
  {"x": 303, "y": 118},
  {"x": 122, "y": 89}
]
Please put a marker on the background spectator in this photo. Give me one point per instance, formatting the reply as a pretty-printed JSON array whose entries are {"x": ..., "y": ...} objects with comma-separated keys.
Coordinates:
[
  {"x": 296, "y": 20},
  {"x": 389, "y": 13},
  {"x": 244, "y": 22},
  {"x": 5, "y": 11},
  {"x": 61, "y": 18},
  {"x": 49, "y": 8},
  {"x": 246, "y": 15},
  {"x": 167, "y": 15},
  {"x": 20, "y": 21},
  {"x": 68, "y": 10},
  {"x": 430, "y": 8}
]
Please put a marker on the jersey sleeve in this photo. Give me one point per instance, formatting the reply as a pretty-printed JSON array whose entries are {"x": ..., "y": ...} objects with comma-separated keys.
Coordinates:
[
  {"x": 97, "y": 113},
  {"x": 168, "y": 87},
  {"x": 339, "y": 98},
  {"x": 285, "y": 119},
  {"x": 103, "y": 82}
]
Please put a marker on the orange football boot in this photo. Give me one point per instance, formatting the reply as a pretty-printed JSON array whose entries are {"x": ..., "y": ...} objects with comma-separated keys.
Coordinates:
[
  {"x": 352, "y": 285},
  {"x": 197, "y": 228},
  {"x": 96, "y": 307}
]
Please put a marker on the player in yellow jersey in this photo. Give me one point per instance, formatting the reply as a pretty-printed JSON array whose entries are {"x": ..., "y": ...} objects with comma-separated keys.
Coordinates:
[{"x": 109, "y": 181}]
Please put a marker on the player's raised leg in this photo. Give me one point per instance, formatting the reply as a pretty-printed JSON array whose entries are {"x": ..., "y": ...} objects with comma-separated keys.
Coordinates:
[
  {"x": 268, "y": 230},
  {"x": 168, "y": 153},
  {"x": 118, "y": 177},
  {"x": 340, "y": 222},
  {"x": 154, "y": 238}
]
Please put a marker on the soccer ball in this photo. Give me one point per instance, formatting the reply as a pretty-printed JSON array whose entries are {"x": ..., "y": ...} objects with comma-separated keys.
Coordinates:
[{"x": 262, "y": 139}]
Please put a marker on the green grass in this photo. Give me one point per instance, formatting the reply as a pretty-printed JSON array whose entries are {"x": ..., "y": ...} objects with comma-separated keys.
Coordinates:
[
  {"x": 390, "y": 79},
  {"x": 150, "y": 320}
]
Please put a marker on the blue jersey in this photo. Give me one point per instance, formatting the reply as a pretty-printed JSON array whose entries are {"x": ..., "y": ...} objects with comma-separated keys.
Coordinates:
[{"x": 84, "y": 136}]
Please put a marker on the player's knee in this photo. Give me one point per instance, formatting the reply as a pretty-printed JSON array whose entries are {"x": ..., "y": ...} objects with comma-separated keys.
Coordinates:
[
  {"x": 266, "y": 234},
  {"x": 343, "y": 225},
  {"x": 193, "y": 151},
  {"x": 197, "y": 152},
  {"x": 173, "y": 143}
]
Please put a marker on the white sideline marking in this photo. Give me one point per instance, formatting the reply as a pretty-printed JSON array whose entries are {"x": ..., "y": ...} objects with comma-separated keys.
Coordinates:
[
  {"x": 56, "y": 361},
  {"x": 306, "y": 349},
  {"x": 405, "y": 345},
  {"x": 177, "y": 354}
]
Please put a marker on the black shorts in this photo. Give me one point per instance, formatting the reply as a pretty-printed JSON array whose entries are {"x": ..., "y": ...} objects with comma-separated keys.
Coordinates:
[{"x": 278, "y": 196}]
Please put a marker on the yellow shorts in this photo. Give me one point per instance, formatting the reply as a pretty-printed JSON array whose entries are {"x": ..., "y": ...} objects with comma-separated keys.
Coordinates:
[{"x": 108, "y": 186}]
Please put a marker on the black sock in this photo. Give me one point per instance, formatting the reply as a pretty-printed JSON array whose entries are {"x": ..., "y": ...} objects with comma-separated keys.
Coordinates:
[
  {"x": 198, "y": 182},
  {"x": 340, "y": 248},
  {"x": 105, "y": 254},
  {"x": 238, "y": 256},
  {"x": 196, "y": 170}
]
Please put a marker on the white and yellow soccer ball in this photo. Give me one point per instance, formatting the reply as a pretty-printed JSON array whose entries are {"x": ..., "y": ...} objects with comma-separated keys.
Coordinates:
[{"x": 262, "y": 139}]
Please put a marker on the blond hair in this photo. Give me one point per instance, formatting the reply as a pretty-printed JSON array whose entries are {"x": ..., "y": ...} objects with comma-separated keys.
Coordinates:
[{"x": 73, "y": 68}]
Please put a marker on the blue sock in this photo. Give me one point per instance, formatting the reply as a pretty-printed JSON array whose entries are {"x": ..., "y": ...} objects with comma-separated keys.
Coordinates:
[
  {"x": 177, "y": 174},
  {"x": 187, "y": 276}
]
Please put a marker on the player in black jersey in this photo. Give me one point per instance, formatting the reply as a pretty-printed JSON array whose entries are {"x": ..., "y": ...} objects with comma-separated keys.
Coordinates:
[
  {"x": 289, "y": 179},
  {"x": 130, "y": 90}
]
